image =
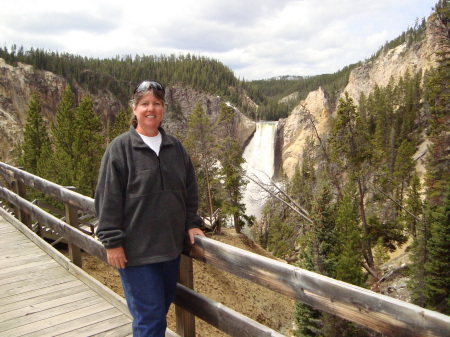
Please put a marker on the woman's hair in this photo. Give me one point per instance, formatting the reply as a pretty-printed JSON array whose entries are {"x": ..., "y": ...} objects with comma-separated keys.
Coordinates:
[{"x": 143, "y": 89}]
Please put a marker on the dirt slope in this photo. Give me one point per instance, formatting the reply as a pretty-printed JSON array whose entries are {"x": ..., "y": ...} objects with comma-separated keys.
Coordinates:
[{"x": 258, "y": 303}]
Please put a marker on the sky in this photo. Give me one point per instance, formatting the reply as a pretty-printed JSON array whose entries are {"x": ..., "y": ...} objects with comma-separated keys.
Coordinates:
[{"x": 256, "y": 39}]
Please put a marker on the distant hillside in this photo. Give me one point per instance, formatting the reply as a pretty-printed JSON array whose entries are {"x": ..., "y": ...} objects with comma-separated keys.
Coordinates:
[{"x": 121, "y": 74}]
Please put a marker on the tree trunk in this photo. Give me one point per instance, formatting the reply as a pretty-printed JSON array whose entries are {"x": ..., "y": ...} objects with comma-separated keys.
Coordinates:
[
  {"x": 366, "y": 241},
  {"x": 208, "y": 184},
  {"x": 237, "y": 227}
]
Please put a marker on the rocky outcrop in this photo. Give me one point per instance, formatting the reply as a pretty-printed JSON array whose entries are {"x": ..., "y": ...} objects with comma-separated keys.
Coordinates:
[
  {"x": 181, "y": 102},
  {"x": 294, "y": 131},
  {"x": 290, "y": 98},
  {"x": 394, "y": 63},
  {"x": 18, "y": 83},
  {"x": 16, "y": 87},
  {"x": 245, "y": 128}
]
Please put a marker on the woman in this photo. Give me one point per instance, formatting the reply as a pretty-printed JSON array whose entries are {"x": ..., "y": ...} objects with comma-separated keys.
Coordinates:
[{"x": 146, "y": 201}]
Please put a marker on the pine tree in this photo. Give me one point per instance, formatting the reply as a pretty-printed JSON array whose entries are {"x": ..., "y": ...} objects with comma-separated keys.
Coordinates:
[
  {"x": 351, "y": 150},
  {"x": 419, "y": 257},
  {"x": 62, "y": 136},
  {"x": 325, "y": 237},
  {"x": 349, "y": 257},
  {"x": 36, "y": 139},
  {"x": 318, "y": 255},
  {"x": 87, "y": 147},
  {"x": 382, "y": 111},
  {"x": 282, "y": 231},
  {"x": 304, "y": 181},
  {"x": 438, "y": 97},
  {"x": 309, "y": 321},
  {"x": 232, "y": 177},
  {"x": 36, "y": 146},
  {"x": 404, "y": 166},
  {"x": 229, "y": 153},
  {"x": 347, "y": 225},
  {"x": 437, "y": 280},
  {"x": 331, "y": 247},
  {"x": 410, "y": 95},
  {"x": 45, "y": 166},
  {"x": 436, "y": 250},
  {"x": 380, "y": 254},
  {"x": 414, "y": 206},
  {"x": 121, "y": 124},
  {"x": 200, "y": 144},
  {"x": 225, "y": 122}
]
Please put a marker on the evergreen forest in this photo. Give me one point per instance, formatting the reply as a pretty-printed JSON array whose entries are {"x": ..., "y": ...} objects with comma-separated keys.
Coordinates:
[{"x": 356, "y": 196}]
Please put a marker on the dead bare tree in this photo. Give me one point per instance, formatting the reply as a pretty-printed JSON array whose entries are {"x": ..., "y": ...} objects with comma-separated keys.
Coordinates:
[{"x": 275, "y": 191}]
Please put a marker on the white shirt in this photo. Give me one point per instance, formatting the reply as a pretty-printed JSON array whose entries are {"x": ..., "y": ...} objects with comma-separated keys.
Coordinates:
[{"x": 153, "y": 142}]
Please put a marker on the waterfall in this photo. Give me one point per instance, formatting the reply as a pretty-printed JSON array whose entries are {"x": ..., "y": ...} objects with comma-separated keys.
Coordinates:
[{"x": 259, "y": 155}]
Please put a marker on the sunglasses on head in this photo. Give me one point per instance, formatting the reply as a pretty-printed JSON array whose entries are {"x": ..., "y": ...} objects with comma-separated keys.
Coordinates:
[{"x": 147, "y": 84}]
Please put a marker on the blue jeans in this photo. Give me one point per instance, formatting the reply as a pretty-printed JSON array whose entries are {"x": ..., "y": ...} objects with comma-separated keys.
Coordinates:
[{"x": 149, "y": 290}]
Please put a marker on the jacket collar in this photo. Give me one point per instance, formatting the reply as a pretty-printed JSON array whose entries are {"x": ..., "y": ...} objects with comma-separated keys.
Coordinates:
[{"x": 137, "y": 141}]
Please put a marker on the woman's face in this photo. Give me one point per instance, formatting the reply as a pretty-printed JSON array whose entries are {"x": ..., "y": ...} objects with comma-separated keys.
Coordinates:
[{"x": 149, "y": 112}]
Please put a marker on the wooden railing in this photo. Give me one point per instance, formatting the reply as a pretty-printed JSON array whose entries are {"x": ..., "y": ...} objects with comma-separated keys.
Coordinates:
[{"x": 361, "y": 306}]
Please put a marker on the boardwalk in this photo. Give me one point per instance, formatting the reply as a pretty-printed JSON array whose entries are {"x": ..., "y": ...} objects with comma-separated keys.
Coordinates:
[{"x": 43, "y": 295}]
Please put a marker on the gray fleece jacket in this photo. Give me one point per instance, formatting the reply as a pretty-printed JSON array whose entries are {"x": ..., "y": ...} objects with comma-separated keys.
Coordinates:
[{"x": 146, "y": 203}]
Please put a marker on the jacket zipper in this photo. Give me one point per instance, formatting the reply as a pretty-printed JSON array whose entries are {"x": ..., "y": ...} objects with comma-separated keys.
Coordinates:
[{"x": 160, "y": 172}]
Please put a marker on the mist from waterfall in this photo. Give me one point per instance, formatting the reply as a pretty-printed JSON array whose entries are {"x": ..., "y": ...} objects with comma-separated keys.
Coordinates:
[{"x": 260, "y": 158}]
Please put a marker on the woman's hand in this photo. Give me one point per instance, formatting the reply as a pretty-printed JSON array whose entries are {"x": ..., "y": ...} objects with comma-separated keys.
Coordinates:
[
  {"x": 194, "y": 231},
  {"x": 116, "y": 257}
]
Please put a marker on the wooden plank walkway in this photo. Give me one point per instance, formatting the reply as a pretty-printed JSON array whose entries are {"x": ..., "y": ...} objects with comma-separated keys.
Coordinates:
[{"x": 46, "y": 295}]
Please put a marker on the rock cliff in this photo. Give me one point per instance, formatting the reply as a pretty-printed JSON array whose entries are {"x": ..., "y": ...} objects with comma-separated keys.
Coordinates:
[
  {"x": 293, "y": 132},
  {"x": 394, "y": 63},
  {"x": 18, "y": 83},
  {"x": 181, "y": 102}
]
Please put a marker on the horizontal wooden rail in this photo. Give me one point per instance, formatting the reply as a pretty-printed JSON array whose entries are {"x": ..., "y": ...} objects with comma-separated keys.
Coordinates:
[
  {"x": 56, "y": 191},
  {"x": 364, "y": 307},
  {"x": 220, "y": 317},
  {"x": 71, "y": 234}
]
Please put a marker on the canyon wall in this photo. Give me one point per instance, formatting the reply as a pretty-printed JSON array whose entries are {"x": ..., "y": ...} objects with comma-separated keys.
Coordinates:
[
  {"x": 294, "y": 131},
  {"x": 18, "y": 83}
]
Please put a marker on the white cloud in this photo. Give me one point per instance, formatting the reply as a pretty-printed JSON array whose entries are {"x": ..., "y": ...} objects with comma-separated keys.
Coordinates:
[{"x": 255, "y": 38}]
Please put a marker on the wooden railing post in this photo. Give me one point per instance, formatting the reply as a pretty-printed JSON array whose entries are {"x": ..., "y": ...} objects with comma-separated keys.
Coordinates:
[
  {"x": 72, "y": 220},
  {"x": 20, "y": 189},
  {"x": 25, "y": 218},
  {"x": 40, "y": 227},
  {"x": 185, "y": 320},
  {"x": 14, "y": 187}
]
